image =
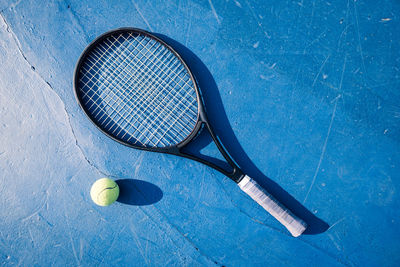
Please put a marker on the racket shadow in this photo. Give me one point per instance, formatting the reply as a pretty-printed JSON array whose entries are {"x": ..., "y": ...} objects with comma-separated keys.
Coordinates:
[
  {"x": 137, "y": 192},
  {"x": 214, "y": 106}
]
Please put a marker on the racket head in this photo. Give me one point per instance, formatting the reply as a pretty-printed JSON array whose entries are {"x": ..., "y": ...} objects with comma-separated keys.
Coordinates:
[{"x": 138, "y": 90}]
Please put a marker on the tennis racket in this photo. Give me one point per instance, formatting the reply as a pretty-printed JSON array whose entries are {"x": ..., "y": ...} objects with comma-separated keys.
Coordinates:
[{"x": 138, "y": 91}]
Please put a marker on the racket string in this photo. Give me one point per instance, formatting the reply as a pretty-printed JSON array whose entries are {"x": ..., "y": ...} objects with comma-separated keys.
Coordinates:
[
  {"x": 150, "y": 115},
  {"x": 154, "y": 97},
  {"x": 176, "y": 120},
  {"x": 125, "y": 102},
  {"x": 90, "y": 89},
  {"x": 130, "y": 76},
  {"x": 157, "y": 58},
  {"x": 109, "y": 96},
  {"x": 121, "y": 115},
  {"x": 145, "y": 121},
  {"x": 159, "y": 79}
]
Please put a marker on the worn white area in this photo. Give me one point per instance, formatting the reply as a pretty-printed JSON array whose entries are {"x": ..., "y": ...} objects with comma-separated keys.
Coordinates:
[
  {"x": 34, "y": 124},
  {"x": 38, "y": 158}
]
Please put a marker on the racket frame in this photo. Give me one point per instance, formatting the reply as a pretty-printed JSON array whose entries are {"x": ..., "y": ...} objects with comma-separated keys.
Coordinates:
[{"x": 236, "y": 174}]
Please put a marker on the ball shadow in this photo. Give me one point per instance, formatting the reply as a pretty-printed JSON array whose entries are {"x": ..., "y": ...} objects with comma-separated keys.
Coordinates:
[
  {"x": 138, "y": 192},
  {"x": 222, "y": 128}
]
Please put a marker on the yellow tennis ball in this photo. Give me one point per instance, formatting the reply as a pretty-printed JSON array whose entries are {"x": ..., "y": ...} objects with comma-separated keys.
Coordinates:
[{"x": 104, "y": 192}]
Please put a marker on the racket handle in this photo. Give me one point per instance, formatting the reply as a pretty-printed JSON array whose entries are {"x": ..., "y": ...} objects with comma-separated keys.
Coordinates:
[{"x": 295, "y": 225}]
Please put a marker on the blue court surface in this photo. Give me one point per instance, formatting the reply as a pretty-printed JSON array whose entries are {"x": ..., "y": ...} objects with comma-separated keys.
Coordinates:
[{"x": 305, "y": 96}]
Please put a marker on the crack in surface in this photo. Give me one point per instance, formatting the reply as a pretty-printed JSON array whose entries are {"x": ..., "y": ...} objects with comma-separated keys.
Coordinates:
[
  {"x": 18, "y": 44},
  {"x": 13, "y": 5},
  {"x": 77, "y": 20},
  {"x": 183, "y": 235},
  {"x": 338, "y": 260},
  {"x": 173, "y": 226}
]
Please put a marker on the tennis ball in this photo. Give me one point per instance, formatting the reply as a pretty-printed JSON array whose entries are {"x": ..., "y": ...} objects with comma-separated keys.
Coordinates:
[{"x": 104, "y": 192}]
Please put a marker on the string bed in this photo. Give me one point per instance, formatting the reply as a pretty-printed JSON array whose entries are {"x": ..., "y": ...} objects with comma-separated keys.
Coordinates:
[{"x": 138, "y": 91}]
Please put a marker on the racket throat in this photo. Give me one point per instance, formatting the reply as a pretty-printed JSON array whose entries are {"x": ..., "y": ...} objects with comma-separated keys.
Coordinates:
[
  {"x": 225, "y": 167},
  {"x": 224, "y": 163}
]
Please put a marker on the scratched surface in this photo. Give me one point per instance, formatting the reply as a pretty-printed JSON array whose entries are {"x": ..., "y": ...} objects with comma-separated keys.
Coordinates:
[{"x": 307, "y": 94}]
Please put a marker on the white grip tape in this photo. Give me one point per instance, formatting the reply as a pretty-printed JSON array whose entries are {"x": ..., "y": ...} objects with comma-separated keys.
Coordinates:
[{"x": 295, "y": 225}]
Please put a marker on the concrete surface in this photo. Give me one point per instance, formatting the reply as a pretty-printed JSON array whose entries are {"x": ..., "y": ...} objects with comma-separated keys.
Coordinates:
[{"x": 305, "y": 95}]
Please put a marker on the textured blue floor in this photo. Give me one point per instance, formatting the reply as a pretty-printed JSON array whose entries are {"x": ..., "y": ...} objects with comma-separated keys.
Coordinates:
[{"x": 305, "y": 95}]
